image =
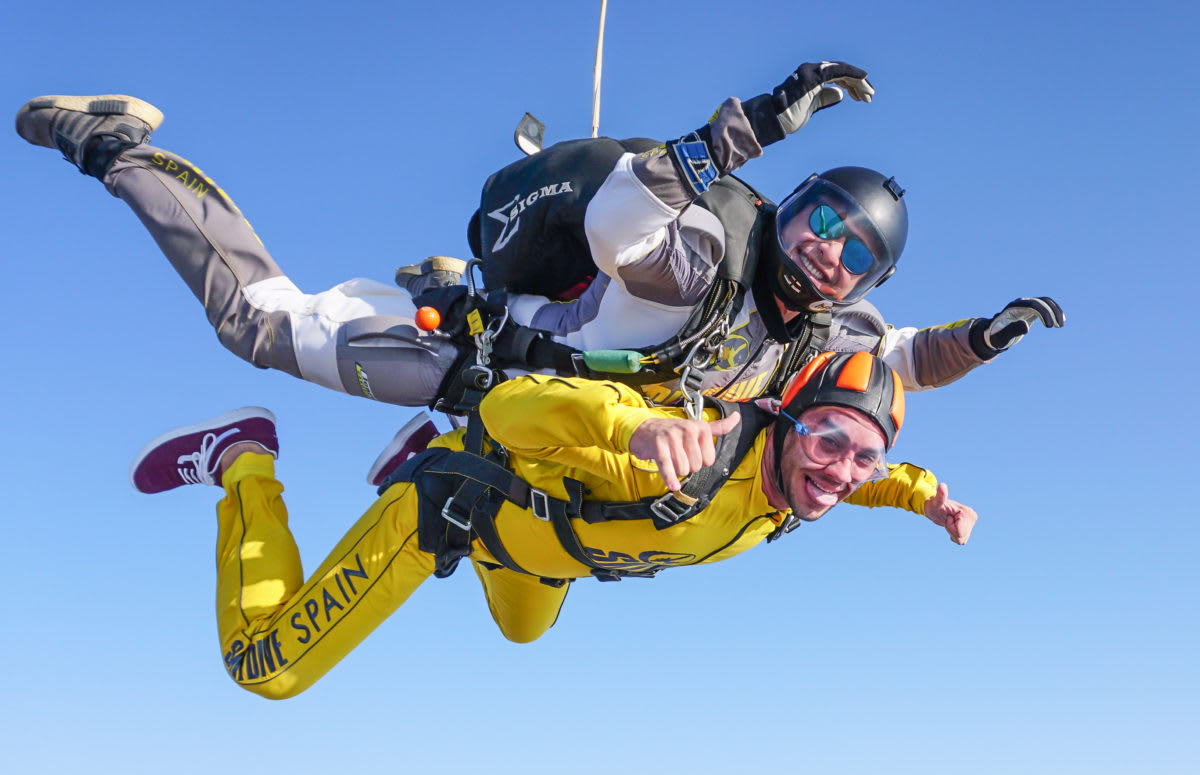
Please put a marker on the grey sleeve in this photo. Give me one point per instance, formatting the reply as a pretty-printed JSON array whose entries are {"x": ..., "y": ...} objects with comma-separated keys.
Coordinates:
[
  {"x": 731, "y": 145},
  {"x": 943, "y": 354},
  {"x": 924, "y": 358}
]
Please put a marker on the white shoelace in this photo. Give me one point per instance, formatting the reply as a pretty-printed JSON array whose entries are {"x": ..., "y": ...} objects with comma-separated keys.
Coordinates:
[{"x": 203, "y": 466}]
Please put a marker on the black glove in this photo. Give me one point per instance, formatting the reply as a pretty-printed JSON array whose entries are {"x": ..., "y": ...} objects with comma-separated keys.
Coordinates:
[
  {"x": 813, "y": 87},
  {"x": 992, "y": 336},
  {"x": 453, "y": 304}
]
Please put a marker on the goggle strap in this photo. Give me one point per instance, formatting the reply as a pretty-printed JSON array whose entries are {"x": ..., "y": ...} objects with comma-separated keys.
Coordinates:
[{"x": 800, "y": 427}]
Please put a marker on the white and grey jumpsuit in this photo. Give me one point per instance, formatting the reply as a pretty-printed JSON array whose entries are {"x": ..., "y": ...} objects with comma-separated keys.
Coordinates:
[{"x": 655, "y": 254}]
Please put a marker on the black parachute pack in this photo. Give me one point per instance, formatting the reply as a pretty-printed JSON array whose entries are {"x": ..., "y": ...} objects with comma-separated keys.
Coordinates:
[
  {"x": 529, "y": 236},
  {"x": 528, "y": 229}
]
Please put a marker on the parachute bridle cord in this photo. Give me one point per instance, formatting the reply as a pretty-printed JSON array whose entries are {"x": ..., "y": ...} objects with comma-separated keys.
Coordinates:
[
  {"x": 469, "y": 276},
  {"x": 596, "y": 71}
]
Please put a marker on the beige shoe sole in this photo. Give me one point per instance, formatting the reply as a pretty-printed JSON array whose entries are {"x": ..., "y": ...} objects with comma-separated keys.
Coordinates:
[
  {"x": 100, "y": 104},
  {"x": 432, "y": 264}
]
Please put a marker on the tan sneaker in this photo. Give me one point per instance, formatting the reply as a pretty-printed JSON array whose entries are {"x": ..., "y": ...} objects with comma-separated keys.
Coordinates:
[
  {"x": 433, "y": 272},
  {"x": 113, "y": 121}
]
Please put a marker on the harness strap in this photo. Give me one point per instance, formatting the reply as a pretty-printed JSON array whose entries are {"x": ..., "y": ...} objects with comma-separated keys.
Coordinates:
[
  {"x": 811, "y": 343},
  {"x": 462, "y": 492},
  {"x": 560, "y": 512},
  {"x": 790, "y": 523}
]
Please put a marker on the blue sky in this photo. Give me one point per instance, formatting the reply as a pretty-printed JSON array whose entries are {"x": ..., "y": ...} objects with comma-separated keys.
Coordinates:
[{"x": 1048, "y": 149}]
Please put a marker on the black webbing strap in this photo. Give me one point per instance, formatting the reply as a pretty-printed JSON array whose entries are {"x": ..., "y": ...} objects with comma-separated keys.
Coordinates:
[
  {"x": 463, "y": 491},
  {"x": 790, "y": 523},
  {"x": 472, "y": 509},
  {"x": 465, "y": 384},
  {"x": 560, "y": 513},
  {"x": 812, "y": 341},
  {"x": 698, "y": 489},
  {"x": 484, "y": 485}
]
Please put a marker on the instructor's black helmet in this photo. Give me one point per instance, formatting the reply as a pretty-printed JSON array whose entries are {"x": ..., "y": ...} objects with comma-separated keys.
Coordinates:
[{"x": 859, "y": 208}]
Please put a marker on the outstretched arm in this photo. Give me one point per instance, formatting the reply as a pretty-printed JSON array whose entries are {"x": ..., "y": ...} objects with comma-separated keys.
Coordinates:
[
  {"x": 917, "y": 490},
  {"x": 627, "y": 221},
  {"x": 681, "y": 170},
  {"x": 907, "y": 487},
  {"x": 538, "y": 414},
  {"x": 936, "y": 356}
]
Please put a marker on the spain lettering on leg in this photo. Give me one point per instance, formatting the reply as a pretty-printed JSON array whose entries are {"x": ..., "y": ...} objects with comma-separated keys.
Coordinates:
[
  {"x": 311, "y": 619},
  {"x": 370, "y": 573},
  {"x": 189, "y": 175},
  {"x": 325, "y": 603}
]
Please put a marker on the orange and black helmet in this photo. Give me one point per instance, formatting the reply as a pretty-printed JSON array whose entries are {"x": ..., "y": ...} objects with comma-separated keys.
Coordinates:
[{"x": 853, "y": 380}]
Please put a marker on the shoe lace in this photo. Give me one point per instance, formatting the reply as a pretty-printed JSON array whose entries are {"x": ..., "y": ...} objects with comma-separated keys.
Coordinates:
[{"x": 203, "y": 466}]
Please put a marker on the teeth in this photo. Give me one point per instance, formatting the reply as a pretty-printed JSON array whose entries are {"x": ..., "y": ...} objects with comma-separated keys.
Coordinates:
[
  {"x": 822, "y": 489},
  {"x": 813, "y": 271},
  {"x": 837, "y": 491}
]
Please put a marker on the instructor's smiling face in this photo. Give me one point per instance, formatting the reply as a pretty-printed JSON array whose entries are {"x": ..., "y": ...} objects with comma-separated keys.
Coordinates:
[
  {"x": 813, "y": 488},
  {"x": 821, "y": 259}
]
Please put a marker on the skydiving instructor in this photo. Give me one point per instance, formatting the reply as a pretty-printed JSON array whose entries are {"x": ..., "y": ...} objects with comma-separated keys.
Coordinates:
[{"x": 655, "y": 253}]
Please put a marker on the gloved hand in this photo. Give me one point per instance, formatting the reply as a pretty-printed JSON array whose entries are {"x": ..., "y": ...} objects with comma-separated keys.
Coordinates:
[
  {"x": 813, "y": 87},
  {"x": 808, "y": 90},
  {"x": 452, "y": 304},
  {"x": 990, "y": 337}
]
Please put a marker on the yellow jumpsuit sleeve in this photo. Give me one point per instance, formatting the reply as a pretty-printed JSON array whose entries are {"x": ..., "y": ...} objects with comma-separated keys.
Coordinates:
[
  {"x": 907, "y": 487},
  {"x": 538, "y": 412}
]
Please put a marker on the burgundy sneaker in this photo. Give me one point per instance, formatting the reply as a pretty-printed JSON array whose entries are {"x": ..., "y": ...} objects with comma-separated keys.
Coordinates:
[
  {"x": 190, "y": 455},
  {"x": 410, "y": 440}
]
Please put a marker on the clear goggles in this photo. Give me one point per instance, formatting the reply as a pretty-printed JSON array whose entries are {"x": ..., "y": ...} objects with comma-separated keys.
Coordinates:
[
  {"x": 819, "y": 210},
  {"x": 829, "y": 441}
]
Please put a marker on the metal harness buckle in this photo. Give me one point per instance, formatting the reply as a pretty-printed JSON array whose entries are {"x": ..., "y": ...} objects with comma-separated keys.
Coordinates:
[
  {"x": 539, "y": 502},
  {"x": 455, "y": 519},
  {"x": 672, "y": 507}
]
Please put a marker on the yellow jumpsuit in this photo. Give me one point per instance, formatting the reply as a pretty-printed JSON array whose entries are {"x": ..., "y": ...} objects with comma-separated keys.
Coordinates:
[{"x": 280, "y": 633}]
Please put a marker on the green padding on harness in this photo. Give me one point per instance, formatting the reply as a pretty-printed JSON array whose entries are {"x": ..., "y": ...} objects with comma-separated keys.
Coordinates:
[{"x": 613, "y": 361}]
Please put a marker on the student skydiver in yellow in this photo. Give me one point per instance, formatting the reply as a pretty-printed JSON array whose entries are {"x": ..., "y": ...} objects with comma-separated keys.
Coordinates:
[{"x": 554, "y": 479}]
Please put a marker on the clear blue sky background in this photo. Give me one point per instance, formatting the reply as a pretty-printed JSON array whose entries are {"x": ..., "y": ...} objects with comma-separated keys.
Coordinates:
[{"x": 1048, "y": 149}]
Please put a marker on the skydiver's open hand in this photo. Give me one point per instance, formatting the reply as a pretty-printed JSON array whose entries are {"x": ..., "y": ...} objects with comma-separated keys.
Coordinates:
[
  {"x": 812, "y": 87},
  {"x": 992, "y": 336},
  {"x": 679, "y": 446},
  {"x": 959, "y": 520}
]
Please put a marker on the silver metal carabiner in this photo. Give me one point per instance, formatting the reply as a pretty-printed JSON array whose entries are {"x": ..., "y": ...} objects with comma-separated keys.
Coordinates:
[{"x": 484, "y": 339}]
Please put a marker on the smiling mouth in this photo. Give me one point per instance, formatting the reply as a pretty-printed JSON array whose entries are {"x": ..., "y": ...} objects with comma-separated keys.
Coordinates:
[
  {"x": 815, "y": 272},
  {"x": 822, "y": 496}
]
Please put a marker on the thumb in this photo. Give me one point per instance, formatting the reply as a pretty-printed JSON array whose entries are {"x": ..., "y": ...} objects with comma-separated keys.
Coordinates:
[
  {"x": 724, "y": 425},
  {"x": 828, "y": 97},
  {"x": 935, "y": 504}
]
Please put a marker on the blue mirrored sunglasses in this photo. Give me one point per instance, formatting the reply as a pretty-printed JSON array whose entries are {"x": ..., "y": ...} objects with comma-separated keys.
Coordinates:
[{"x": 827, "y": 224}]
